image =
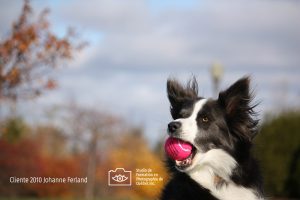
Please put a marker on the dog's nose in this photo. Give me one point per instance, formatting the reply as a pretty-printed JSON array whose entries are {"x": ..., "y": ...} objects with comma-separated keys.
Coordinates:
[{"x": 173, "y": 126}]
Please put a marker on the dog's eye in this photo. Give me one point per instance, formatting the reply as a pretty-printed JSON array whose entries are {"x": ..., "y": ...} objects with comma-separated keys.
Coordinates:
[{"x": 205, "y": 119}]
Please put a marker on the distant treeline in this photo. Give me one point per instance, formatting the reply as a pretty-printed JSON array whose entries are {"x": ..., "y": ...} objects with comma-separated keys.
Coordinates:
[{"x": 278, "y": 150}]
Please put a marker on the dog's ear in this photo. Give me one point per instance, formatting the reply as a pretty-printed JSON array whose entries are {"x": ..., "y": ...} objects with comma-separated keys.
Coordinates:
[
  {"x": 236, "y": 97},
  {"x": 178, "y": 94},
  {"x": 236, "y": 102}
]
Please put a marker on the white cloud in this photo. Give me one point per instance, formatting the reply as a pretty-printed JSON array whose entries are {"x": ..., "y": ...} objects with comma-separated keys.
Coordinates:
[
  {"x": 240, "y": 33},
  {"x": 126, "y": 69}
]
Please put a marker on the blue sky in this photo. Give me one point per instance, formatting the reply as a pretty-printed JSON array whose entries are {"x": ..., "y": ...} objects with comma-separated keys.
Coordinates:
[{"x": 136, "y": 45}]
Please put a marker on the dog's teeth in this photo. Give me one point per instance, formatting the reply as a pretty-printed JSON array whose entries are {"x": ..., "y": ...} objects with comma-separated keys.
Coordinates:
[{"x": 186, "y": 162}]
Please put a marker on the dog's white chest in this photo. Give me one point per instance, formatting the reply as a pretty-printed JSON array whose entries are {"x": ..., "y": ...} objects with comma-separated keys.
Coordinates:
[{"x": 230, "y": 191}]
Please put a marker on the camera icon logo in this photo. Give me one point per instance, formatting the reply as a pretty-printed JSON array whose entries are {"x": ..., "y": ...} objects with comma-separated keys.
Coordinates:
[{"x": 119, "y": 177}]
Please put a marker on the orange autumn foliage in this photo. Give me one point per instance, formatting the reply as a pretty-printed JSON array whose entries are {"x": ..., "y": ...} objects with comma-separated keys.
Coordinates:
[
  {"x": 58, "y": 168},
  {"x": 132, "y": 153},
  {"x": 25, "y": 158},
  {"x": 29, "y": 54},
  {"x": 44, "y": 151},
  {"x": 19, "y": 159}
]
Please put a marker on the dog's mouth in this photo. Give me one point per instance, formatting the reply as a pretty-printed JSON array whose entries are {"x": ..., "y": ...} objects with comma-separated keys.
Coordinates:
[{"x": 186, "y": 163}]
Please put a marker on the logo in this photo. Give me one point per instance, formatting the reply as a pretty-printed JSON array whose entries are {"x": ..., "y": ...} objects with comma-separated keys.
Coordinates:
[{"x": 119, "y": 177}]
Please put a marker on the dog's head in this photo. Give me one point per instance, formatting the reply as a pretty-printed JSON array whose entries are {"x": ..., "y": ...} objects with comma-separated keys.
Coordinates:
[{"x": 225, "y": 123}]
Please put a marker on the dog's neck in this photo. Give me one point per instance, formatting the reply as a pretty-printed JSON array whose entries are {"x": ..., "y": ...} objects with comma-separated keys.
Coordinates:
[
  {"x": 214, "y": 171},
  {"x": 218, "y": 187}
]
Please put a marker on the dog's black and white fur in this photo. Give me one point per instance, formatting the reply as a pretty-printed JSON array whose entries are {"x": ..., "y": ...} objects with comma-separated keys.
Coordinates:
[{"x": 221, "y": 132}]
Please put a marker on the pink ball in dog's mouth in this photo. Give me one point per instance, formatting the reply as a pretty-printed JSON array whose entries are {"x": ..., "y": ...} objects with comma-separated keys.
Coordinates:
[{"x": 178, "y": 149}]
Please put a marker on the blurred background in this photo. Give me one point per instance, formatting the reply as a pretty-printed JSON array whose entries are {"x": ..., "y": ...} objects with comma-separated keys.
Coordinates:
[{"x": 83, "y": 87}]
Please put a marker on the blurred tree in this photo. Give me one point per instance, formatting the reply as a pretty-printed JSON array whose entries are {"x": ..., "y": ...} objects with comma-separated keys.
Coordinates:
[
  {"x": 132, "y": 152},
  {"x": 106, "y": 142},
  {"x": 159, "y": 149},
  {"x": 52, "y": 139},
  {"x": 278, "y": 148},
  {"x": 12, "y": 129},
  {"x": 89, "y": 129},
  {"x": 51, "y": 166},
  {"x": 29, "y": 54},
  {"x": 31, "y": 156},
  {"x": 18, "y": 159}
]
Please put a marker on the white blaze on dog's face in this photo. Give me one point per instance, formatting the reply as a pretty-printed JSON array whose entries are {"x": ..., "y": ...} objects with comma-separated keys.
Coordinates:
[
  {"x": 189, "y": 127},
  {"x": 199, "y": 128},
  {"x": 188, "y": 132},
  {"x": 201, "y": 122}
]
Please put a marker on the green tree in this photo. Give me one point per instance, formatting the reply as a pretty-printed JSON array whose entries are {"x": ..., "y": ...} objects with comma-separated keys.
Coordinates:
[
  {"x": 12, "y": 128},
  {"x": 278, "y": 149}
]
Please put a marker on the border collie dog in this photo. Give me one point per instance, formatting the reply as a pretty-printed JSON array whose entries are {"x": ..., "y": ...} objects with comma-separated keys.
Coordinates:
[{"x": 221, "y": 131}]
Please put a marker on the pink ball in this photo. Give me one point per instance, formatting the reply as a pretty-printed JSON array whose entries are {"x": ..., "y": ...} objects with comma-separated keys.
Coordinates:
[{"x": 178, "y": 149}]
